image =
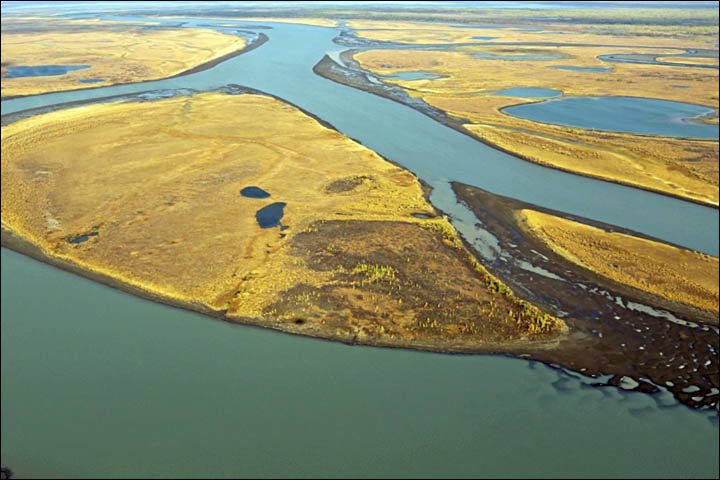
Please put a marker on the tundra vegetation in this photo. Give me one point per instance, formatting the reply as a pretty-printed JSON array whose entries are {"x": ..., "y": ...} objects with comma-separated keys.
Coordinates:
[
  {"x": 676, "y": 274},
  {"x": 115, "y": 52},
  {"x": 146, "y": 196}
]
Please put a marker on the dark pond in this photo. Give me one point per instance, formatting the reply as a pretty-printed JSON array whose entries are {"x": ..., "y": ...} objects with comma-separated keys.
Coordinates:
[
  {"x": 270, "y": 216},
  {"x": 254, "y": 192},
  {"x": 42, "y": 70},
  {"x": 91, "y": 80},
  {"x": 82, "y": 238}
]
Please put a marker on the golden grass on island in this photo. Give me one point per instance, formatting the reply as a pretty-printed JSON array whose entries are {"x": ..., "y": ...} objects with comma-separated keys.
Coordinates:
[
  {"x": 693, "y": 60},
  {"x": 155, "y": 187},
  {"x": 449, "y": 33},
  {"x": 687, "y": 168},
  {"x": 670, "y": 272},
  {"x": 115, "y": 55}
]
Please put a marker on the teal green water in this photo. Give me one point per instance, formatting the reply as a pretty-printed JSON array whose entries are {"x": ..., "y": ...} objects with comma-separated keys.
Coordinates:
[{"x": 99, "y": 383}]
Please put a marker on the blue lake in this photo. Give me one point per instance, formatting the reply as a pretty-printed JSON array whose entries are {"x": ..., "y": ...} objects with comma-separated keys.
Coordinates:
[
  {"x": 484, "y": 38},
  {"x": 581, "y": 69},
  {"x": 529, "y": 92},
  {"x": 621, "y": 114},
  {"x": 42, "y": 70},
  {"x": 91, "y": 80},
  {"x": 413, "y": 76}
]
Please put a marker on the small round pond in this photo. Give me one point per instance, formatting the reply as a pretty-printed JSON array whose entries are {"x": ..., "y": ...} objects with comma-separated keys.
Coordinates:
[
  {"x": 271, "y": 215},
  {"x": 254, "y": 192}
]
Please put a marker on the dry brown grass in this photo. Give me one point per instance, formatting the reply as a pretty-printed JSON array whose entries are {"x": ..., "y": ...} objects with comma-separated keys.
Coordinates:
[
  {"x": 115, "y": 55},
  {"x": 159, "y": 183},
  {"x": 673, "y": 273}
]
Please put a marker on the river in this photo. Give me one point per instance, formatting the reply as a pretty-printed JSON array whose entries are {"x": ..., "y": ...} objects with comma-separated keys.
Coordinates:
[{"x": 95, "y": 381}]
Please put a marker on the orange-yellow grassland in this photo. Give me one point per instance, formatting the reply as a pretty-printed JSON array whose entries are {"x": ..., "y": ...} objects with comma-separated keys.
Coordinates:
[
  {"x": 673, "y": 273},
  {"x": 115, "y": 53},
  {"x": 154, "y": 187},
  {"x": 687, "y": 168}
]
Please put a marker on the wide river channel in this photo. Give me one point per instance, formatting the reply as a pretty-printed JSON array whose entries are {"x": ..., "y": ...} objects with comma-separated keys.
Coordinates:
[{"x": 98, "y": 382}]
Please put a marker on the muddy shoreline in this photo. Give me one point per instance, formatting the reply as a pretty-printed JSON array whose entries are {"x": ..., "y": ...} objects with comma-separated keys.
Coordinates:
[
  {"x": 610, "y": 331},
  {"x": 355, "y": 77}
]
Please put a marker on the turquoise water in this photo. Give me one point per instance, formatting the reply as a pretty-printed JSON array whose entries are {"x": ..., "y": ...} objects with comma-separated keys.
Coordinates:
[
  {"x": 581, "y": 69},
  {"x": 529, "y": 92},
  {"x": 97, "y": 383},
  {"x": 621, "y": 114},
  {"x": 483, "y": 38},
  {"x": 42, "y": 70},
  {"x": 413, "y": 76}
]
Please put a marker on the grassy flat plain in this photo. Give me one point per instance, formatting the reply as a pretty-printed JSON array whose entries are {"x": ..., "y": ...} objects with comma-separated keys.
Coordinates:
[
  {"x": 449, "y": 33},
  {"x": 686, "y": 168},
  {"x": 115, "y": 53},
  {"x": 673, "y": 273},
  {"x": 155, "y": 208}
]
